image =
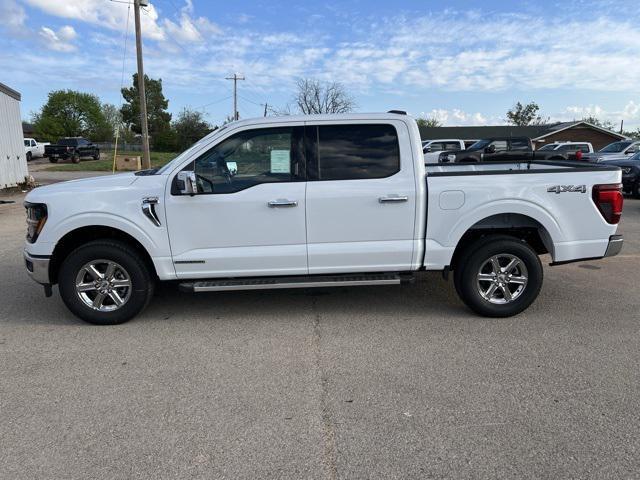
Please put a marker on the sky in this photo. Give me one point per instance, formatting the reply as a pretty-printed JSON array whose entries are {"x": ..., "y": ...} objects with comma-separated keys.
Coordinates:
[{"x": 463, "y": 62}]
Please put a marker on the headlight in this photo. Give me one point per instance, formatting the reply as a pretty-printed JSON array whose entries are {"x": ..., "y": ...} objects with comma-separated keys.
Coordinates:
[{"x": 36, "y": 218}]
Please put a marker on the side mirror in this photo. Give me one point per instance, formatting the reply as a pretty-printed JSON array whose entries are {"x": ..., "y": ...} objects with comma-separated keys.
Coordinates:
[
  {"x": 426, "y": 150},
  {"x": 490, "y": 149},
  {"x": 186, "y": 183}
]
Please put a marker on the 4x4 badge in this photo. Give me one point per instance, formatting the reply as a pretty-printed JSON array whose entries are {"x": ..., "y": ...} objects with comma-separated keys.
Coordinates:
[{"x": 567, "y": 188}]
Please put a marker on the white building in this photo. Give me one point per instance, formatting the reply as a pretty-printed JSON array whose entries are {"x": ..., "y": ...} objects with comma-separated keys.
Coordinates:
[{"x": 13, "y": 162}]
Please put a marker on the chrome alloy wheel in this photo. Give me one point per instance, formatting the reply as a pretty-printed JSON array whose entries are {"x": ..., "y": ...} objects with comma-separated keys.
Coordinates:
[
  {"x": 103, "y": 285},
  {"x": 502, "y": 278}
]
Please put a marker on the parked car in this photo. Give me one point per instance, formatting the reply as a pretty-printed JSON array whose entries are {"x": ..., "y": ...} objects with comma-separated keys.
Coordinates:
[
  {"x": 432, "y": 148},
  {"x": 630, "y": 173},
  {"x": 615, "y": 151},
  {"x": 500, "y": 149},
  {"x": 73, "y": 148},
  {"x": 317, "y": 201},
  {"x": 33, "y": 149},
  {"x": 569, "y": 147}
]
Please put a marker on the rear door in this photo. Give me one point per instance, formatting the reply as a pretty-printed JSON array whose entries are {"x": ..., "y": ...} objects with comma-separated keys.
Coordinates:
[{"x": 361, "y": 197}]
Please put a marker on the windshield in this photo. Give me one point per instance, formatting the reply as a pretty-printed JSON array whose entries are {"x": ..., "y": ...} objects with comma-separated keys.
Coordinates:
[
  {"x": 169, "y": 166},
  {"x": 551, "y": 146},
  {"x": 479, "y": 145},
  {"x": 615, "y": 147}
]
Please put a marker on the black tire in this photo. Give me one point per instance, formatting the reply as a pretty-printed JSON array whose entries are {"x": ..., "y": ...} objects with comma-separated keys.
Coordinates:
[
  {"x": 75, "y": 158},
  {"x": 142, "y": 282},
  {"x": 29, "y": 156},
  {"x": 96, "y": 155},
  {"x": 477, "y": 255},
  {"x": 635, "y": 190},
  {"x": 53, "y": 160}
]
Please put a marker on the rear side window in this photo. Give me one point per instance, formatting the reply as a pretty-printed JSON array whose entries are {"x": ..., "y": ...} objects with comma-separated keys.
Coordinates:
[
  {"x": 519, "y": 144},
  {"x": 354, "y": 152}
]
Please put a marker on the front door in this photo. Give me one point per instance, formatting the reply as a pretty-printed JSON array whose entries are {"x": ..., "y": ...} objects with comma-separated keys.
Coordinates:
[
  {"x": 361, "y": 198},
  {"x": 248, "y": 215}
]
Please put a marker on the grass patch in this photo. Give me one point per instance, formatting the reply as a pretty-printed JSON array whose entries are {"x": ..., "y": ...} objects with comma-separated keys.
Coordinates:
[{"x": 105, "y": 164}]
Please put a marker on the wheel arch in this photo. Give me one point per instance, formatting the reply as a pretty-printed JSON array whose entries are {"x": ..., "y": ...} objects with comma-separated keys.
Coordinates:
[
  {"x": 517, "y": 225},
  {"x": 79, "y": 236}
]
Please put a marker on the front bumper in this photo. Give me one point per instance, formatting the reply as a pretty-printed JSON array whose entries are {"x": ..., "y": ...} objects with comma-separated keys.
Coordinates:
[
  {"x": 37, "y": 267},
  {"x": 615, "y": 245}
]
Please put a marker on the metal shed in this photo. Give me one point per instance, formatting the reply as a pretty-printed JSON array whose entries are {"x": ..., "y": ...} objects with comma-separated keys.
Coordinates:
[{"x": 13, "y": 162}]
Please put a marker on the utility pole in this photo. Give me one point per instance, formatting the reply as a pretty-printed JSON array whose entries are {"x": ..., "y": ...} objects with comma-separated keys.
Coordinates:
[
  {"x": 265, "y": 109},
  {"x": 146, "y": 158},
  {"x": 235, "y": 79}
]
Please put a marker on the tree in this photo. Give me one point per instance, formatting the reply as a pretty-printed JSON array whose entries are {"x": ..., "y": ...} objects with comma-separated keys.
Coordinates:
[
  {"x": 428, "y": 122},
  {"x": 159, "y": 119},
  {"x": 190, "y": 127},
  {"x": 69, "y": 113},
  {"x": 523, "y": 115},
  {"x": 607, "y": 124},
  {"x": 314, "y": 96},
  {"x": 113, "y": 118}
]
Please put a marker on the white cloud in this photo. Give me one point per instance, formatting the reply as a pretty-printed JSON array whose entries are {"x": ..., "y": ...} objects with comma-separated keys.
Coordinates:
[
  {"x": 13, "y": 15},
  {"x": 60, "y": 41},
  {"x": 456, "y": 117},
  {"x": 630, "y": 113}
]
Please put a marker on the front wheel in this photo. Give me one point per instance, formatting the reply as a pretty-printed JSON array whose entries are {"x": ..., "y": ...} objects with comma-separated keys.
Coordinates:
[
  {"x": 29, "y": 156},
  {"x": 105, "y": 282},
  {"x": 53, "y": 160},
  {"x": 75, "y": 158},
  {"x": 635, "y": 190},
  {"x": 500, "y": 276}
]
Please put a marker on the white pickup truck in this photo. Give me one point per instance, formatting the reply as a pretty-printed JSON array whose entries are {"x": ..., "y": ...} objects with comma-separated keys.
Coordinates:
[
  {"x": 33, "y": 149},
  {"x": 317, "y": 201}
]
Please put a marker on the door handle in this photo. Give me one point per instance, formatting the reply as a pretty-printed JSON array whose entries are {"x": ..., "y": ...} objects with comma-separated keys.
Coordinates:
[
  {"x": 282, "y": 203},
  {"x": 393, "y": 199}
]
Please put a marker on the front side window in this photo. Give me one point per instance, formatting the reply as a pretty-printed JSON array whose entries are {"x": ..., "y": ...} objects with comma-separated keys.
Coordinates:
[
  {"x": 501, "y": 145},
  {"x": 355, "y": 152},
  {"x": 250, "y": 158}
]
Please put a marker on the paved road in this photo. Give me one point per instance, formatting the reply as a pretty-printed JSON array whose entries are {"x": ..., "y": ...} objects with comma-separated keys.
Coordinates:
[{"x": 399, "y": 382}]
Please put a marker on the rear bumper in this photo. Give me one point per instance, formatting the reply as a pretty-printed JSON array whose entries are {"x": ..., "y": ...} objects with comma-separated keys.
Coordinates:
[
  {"x": 37, "y": 268},
  {"x": 615, "y": 245}
]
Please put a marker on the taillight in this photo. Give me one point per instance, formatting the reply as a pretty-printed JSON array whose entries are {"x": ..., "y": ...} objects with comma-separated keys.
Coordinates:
[{"x": 608, "y": 198}]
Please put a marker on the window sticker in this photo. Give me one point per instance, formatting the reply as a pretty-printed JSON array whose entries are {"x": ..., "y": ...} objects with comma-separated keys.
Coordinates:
[{"x": 280, "y": 161}]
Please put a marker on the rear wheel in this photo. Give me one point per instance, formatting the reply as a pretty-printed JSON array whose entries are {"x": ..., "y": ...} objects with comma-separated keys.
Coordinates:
[
  {"x": 53, "y": 160},
  {"x": 500, "y": 276},
  {"x": 105, "y": 282},
  {"x": 75, "y": 158},
  {"x": 635, "y": 190}
]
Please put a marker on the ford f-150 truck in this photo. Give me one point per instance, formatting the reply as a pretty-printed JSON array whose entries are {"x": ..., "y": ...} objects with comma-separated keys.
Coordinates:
[
  {"x": 74, "y": 148},
  {"x": 317, "y": 201}
]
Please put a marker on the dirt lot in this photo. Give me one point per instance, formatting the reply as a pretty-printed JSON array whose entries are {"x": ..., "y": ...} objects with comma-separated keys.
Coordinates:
[{"x": 379, "y": 382}]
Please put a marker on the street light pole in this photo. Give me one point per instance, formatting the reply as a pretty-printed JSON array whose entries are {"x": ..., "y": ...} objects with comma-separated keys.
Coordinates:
[{"x": 146, "y": 157}]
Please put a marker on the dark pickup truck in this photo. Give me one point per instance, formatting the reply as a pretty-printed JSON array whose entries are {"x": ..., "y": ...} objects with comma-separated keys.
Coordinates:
[
  {"x": 501, "y": 149},
  {"x": 73, "y": 148}
]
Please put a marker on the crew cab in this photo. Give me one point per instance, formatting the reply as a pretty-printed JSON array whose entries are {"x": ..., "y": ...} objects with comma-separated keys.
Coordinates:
[
  {"x": 317, "y": 201},
  {"x": 432, "y": 148},
  {"x": 33, "y": 149},
  {"x": 74, "y": 148},
  {"x": 501, "y": 149}
]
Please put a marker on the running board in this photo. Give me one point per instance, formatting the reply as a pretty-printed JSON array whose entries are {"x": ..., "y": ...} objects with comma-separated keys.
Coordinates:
[{"x": 310, "y": 281}]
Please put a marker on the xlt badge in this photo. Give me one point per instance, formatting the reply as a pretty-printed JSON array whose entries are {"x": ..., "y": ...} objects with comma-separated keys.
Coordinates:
[{"x": 567, "y": 188}]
